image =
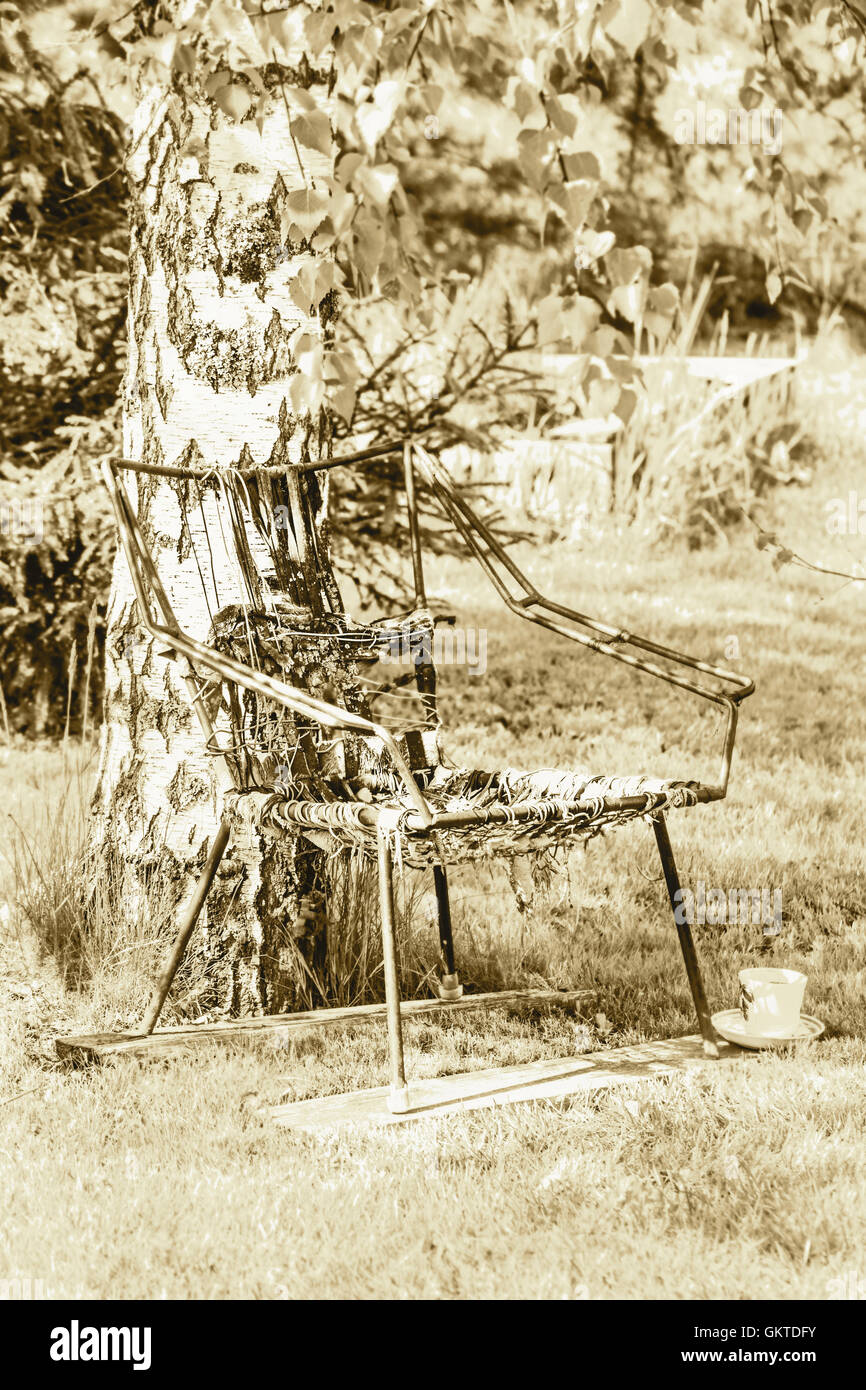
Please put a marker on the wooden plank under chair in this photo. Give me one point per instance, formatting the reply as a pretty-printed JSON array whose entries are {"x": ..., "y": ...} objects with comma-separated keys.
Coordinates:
[
  {"x": 290, "y": 1030},
  {"x": 556, "y": 1079}
]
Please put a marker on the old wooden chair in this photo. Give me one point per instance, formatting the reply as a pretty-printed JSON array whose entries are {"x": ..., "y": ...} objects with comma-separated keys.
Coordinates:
[{"x": 281, "y": 696}]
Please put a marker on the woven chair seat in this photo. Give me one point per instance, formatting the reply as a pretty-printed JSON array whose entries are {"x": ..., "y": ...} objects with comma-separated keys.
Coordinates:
[{"x": 503, "y": 813}]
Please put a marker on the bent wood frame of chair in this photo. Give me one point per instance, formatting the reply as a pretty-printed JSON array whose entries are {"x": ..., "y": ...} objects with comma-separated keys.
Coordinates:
[{"x": 528, "y": 604}]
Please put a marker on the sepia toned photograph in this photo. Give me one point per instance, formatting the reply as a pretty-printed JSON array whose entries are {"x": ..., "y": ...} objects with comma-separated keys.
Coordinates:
[{"x": 432, "y": 727}]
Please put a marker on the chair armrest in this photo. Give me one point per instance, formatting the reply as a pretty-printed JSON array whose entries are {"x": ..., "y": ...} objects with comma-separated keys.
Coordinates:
[
  {"x": 599, "y": 637},
  {"x": 292, "y": 698}
]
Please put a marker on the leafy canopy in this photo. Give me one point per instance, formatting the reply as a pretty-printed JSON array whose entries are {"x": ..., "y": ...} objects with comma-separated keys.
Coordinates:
[{"x": 371, "y": 93}]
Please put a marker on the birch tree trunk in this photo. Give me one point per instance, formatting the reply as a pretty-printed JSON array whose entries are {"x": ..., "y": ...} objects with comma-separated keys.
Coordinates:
[{"x": 208, "y": 384}]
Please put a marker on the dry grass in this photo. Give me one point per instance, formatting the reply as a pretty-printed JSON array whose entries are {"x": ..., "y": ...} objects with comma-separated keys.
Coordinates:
[{"x": 137, "y": 1180}]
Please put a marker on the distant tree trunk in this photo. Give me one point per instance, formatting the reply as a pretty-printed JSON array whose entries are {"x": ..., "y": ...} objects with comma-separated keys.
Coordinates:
[{"x": 207, "y": 385}]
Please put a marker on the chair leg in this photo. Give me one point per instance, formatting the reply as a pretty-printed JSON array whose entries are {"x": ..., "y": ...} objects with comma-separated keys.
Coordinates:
[
  {"x": 687, "y": 945},
  {"x": 199, "y": 897},
  {"x": 398, "y": 1101},
  {"x": 449, "y": 987}
]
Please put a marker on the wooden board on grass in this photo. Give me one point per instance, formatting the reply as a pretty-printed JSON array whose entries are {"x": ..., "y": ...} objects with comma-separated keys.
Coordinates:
[
  {"x": 544, "y": 1080},
  {"x": 279, "y": 1030}
]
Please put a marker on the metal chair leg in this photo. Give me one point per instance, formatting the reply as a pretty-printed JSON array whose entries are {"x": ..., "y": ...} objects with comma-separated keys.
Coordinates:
[
  {"x": 398, "y": 1101},
  {"x": 687, "y": 945},
  {"x": 199, "y": 897},
  {"x": 449, "y": 986}
]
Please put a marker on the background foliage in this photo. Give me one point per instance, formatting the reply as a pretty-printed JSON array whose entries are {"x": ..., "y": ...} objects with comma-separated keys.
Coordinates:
[{"x": 508, "y": 177}]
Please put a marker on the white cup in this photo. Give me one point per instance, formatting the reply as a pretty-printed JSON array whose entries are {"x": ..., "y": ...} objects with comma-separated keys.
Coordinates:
[{"x": 771, "y": 1000}]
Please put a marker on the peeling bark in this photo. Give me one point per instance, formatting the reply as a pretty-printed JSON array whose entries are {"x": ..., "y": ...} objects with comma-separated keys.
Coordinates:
[{"x": 207, "y": 385}]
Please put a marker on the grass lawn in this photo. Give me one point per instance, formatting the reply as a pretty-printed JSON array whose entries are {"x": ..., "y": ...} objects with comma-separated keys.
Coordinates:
[{"x": 160, "y": 1179}]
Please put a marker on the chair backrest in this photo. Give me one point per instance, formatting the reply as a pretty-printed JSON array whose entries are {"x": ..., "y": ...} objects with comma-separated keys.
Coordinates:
[{"x": 291, "y": 624}]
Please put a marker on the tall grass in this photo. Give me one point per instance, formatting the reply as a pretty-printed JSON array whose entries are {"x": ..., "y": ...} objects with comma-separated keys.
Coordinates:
[
  {"x": 695, "y": 457},
  {"x": 76, "y": 903},
  {"x": 696, "y": 467}
]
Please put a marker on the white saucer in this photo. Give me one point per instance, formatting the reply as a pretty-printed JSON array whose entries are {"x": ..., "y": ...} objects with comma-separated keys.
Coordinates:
[{"x": 731, "y": 1025}]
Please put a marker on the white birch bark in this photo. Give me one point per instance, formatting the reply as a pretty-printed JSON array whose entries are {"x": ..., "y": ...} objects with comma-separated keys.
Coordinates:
[{"x": 208, "y": 382}]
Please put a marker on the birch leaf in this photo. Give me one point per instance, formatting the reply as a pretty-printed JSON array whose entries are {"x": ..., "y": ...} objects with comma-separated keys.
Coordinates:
[
  {"x": 377, "y": 182},
  {"x": 307, "y": 208},
  {"x": 313, "y": 131},
  {"x": 234, "y": 100}
]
